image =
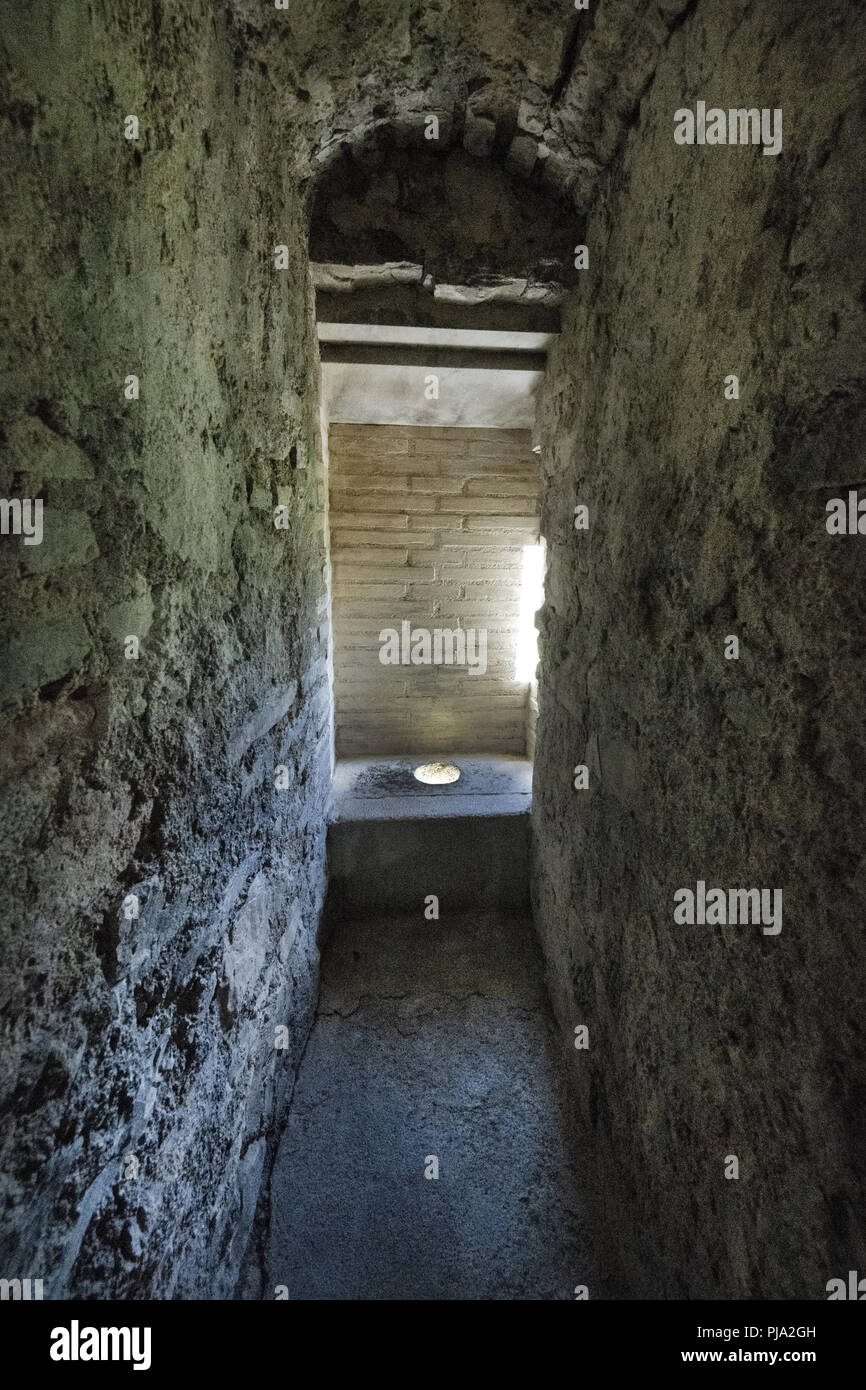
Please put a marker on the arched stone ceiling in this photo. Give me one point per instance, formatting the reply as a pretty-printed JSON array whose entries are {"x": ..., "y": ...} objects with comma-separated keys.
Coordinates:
[
  {"x": 565, "y": 84},
  {"x": 460, "y": 218}
]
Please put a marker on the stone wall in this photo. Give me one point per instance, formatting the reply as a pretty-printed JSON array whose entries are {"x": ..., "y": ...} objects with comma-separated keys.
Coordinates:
[
  {"x": 707, "y": 519},
  {"x": 138, "y": 1067}
]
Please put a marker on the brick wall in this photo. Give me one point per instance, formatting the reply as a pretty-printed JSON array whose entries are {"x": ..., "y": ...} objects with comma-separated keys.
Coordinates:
[{"x": 428, "y": 526}]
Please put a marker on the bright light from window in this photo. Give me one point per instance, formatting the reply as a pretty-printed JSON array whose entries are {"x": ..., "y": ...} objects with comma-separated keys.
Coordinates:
[{"x": 531, "y": 599}]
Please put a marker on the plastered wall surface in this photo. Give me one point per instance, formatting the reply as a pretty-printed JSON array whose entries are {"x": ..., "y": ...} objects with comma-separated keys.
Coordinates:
[{"x": 707, "y": 520}]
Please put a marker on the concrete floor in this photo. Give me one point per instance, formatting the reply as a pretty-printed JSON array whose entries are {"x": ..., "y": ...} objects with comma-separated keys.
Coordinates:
[
  {"x": 431, "y": 1038},
  {"x": 384, "y": 788}
]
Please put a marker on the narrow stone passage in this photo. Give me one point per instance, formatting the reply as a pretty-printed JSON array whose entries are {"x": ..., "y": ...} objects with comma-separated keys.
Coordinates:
[
  {"x": 386, "y": 384},
  {"x": 431, "y": 1040}
]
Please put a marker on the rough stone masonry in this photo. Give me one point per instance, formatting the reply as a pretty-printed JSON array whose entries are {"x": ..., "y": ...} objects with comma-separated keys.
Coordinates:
[{"x": 162, "y": 891}]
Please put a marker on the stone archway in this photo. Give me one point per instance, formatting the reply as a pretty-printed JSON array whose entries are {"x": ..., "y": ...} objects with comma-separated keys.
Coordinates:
[{"x": 439, "y": 268}]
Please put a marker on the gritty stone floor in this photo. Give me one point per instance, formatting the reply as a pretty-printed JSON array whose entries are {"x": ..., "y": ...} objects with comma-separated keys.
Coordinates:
[{"x": 431, "y": 1039}]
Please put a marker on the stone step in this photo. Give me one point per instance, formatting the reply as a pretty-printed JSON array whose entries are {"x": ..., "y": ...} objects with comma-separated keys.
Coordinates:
[{"x": 379, "y": 866}]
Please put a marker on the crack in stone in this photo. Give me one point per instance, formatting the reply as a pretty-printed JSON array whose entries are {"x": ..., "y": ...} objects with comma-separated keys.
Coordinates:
[{"x": 443, "y": 997}]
